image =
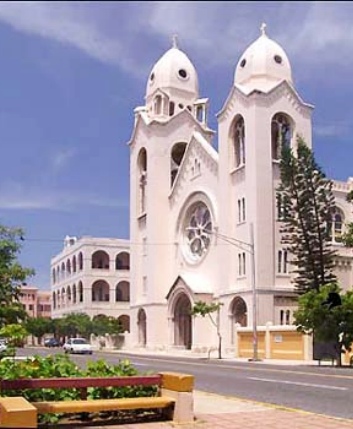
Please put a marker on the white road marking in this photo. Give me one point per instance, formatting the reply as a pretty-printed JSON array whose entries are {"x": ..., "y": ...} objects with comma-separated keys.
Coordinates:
[{"x": 323, "y": 386}]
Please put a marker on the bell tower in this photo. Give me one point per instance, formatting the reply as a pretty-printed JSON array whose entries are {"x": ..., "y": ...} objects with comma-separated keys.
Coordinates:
[
  {"x": 262, "y": 113},
  {"x": 162, "y": 131}
]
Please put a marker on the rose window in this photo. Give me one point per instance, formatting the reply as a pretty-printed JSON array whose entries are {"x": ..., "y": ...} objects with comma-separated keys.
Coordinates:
[{"x": 198, "y": 231}]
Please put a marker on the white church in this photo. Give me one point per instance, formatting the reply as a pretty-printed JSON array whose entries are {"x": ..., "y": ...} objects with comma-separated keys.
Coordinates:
[{"x": 203, "y": 222}]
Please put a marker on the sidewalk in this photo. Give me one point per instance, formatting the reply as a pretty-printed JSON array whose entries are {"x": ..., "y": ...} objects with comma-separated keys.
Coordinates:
[
  {"x": 220, "y": 412},
  {"x": 213, "y": 356}
]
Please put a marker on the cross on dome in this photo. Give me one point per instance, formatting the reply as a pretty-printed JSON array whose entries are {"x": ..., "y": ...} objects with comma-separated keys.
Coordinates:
[
  {"x": 175, "y": 41},
  {"x": 263, "y": 29}
]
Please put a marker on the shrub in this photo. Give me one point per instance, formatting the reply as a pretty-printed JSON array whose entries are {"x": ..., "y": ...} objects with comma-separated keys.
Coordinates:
[{"x": 60, "y": 365}]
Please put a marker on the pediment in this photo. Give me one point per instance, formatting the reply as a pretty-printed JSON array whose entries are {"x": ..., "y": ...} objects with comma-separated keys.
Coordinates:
[
  {"x": 266, "y": 99},
  {"x": 200, "y": 158},
  {"x": 190, "y": 284}
]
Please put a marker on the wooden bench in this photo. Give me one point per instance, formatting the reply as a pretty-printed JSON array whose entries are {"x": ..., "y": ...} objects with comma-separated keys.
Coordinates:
[{"x": 174, "y": 395}]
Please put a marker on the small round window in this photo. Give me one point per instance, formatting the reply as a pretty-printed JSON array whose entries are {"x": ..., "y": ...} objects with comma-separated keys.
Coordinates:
[
  {"x": 182, "y": 73},
  {"x": 243, "y": 62},
  {"x": 278, "y": 59},
  {"x": 181, "y": 106},
  {"x": 152, "y": 77}
]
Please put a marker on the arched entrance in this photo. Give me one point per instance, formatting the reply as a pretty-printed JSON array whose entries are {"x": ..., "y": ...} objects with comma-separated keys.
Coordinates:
[
  {"x": 238, "y": 314},
  {"x": 142, "y": 327},
  {"x": 239, "y": 311},
  {"x": 183, "y": 322}
]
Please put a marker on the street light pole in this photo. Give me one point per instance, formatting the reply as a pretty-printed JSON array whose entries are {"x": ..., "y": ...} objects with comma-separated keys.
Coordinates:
[{"x": 255, "y": 357}]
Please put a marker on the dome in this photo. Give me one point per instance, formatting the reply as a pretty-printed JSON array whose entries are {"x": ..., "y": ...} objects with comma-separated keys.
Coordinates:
[
  {"x": 263, "y": 65},
  {"x": 173, "y": 71}
]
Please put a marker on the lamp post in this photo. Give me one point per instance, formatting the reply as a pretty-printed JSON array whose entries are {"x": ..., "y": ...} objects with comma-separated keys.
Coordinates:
[{"x": 250, "y": 248}]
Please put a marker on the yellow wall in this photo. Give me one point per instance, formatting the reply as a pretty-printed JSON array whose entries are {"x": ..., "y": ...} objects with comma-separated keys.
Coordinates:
[
  {"x": 246, "y": 348},
  {"x": 281, "y": 345},
  {"x": 286, "y": 345}
]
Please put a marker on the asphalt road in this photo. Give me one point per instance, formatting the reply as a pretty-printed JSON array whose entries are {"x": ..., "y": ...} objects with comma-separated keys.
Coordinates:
[{"x": 325, "y": 390}]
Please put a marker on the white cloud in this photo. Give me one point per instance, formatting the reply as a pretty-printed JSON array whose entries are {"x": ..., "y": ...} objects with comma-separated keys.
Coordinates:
[
  {"x": 17, "y": 196},
  {"x": 66, "y": 22},
  {"x": 216, "y": 33},
  {"x": 332, "y": 130}
]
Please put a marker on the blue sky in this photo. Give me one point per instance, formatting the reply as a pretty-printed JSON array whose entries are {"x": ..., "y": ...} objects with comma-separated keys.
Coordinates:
[{"x": 72, "y": 73}]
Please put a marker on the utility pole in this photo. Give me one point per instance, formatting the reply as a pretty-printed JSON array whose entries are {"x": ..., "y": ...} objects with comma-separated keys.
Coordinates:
[{"x": 255, "y": 357}]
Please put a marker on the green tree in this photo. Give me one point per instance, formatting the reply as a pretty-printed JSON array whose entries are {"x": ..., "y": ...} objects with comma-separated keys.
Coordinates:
[
  {"x": 12, "y": 313},
  {"x": 38, "y": 327},
  {"x": 15, "y": 334},
  {"x": 76, "y": 324},
  {"x": 347, "y": 237},
  {"x": 328, "y": 323},
  {"x": 203, "y": 309},
  {"x": 305, "y": 202},
  {"x": 12, "y": 274},
  {"x": 102, "y": 324}
]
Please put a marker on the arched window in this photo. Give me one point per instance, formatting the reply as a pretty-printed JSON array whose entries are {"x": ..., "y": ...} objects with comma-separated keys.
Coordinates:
[
  {"x": 335, "y": 225},
  {"x": 62, "y": 270},
  {"x": 124, "y": 322},
  {"x": 54, "y": 300},
  {"x": 100, "y": 291},
  {"x": 122, "y": 292},
  {"x": 58, "y": 274},
  {"x": 54, "y": 275},
  {"x": 100, "y": 260},
  {"x": 68, "y": 294},
  {"x": 74, "y": 264},
  {"x": 122, "y": 261},
  {"x": 239, "y": 141},
  {"x": 80, "y": 261},
  {"x": 177, "y": 156},
  {"x": 80, "y": 292},
  {"x": 142, "y": 179},
  {"x": 68, "y": 266},
  {"x": 281, "y": 134},
  {"x": 158, "y": 105},
  {"x": 63, "y": 297},
  {"x": 74, "y": 296}
]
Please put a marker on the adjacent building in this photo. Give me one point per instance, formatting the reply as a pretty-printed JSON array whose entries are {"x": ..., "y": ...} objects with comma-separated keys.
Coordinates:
[
  {"x": 36, "y": 302},
  {"x": 92, "y": 275}
]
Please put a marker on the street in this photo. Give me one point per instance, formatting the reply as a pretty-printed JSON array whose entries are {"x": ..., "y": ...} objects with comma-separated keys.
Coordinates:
[{"x": 325, "y": 390}]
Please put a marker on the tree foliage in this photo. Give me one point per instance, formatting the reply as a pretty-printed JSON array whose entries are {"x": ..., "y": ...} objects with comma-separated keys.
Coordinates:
[
  {"x": 12, "y": 313},
  {"x": 347, "y": 237},
  {"x": 80, "y": 324},
  {"x": 76, "y": 324},
  {"x": 306, "y": 202},
  {"x": 102, "y": 324},
  {"x": 14, "y": 333},
  {"x": 328, "y": 323},
  {"x": 204, "y": 309},
  {"x": 12, "y": 274},
  {"x": 38, "y": 326}
]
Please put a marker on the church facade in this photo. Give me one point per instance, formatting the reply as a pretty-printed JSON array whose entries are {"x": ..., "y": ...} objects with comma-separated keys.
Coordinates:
[{"x": 206, "y": 220}]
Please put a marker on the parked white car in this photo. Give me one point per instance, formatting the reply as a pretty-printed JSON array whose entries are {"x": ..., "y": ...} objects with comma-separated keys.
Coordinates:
[
  {"x": 3, "y": 347},
  {"x": 78, "y": 345}
]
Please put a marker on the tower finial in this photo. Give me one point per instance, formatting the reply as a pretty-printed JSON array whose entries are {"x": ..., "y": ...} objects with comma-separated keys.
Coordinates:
[
  {"x": 175, "y": 41},
  {"x": 263, "y": 29}
]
